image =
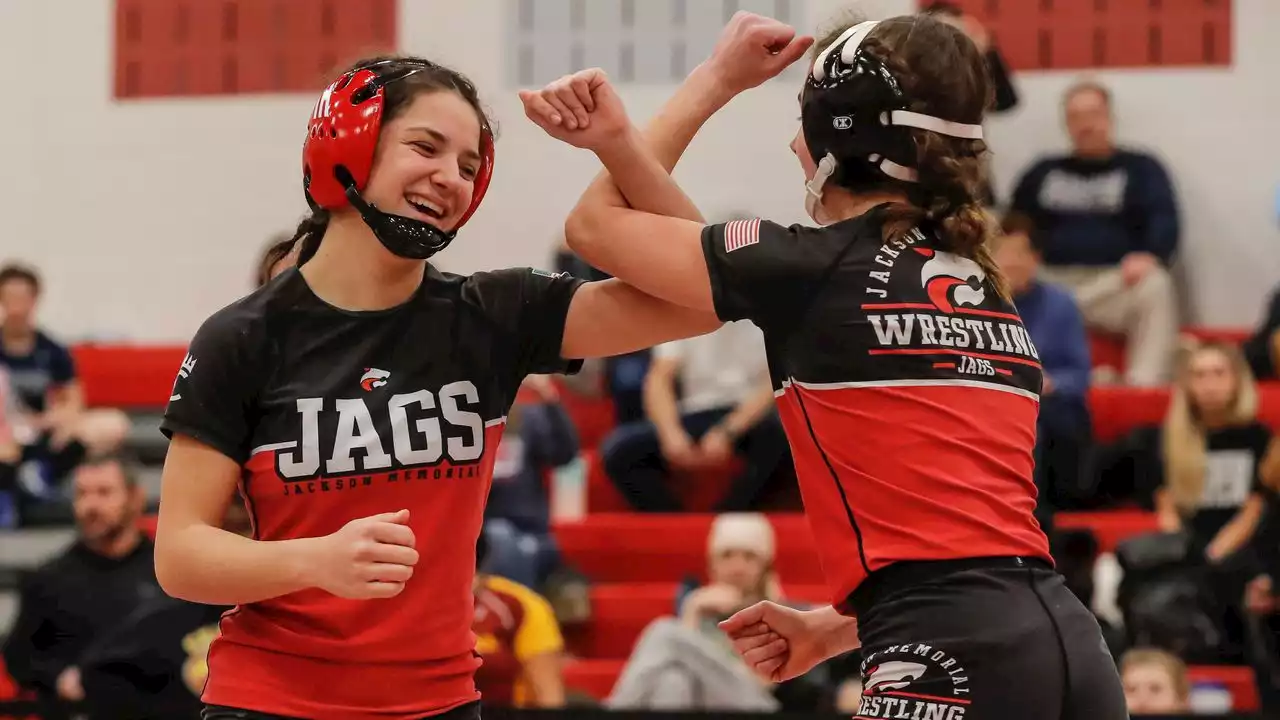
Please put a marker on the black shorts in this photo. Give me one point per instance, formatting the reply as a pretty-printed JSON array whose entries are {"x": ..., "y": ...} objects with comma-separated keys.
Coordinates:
[
  {"x": 981, "y": 639},
  {"x": 470, "y": 711}
]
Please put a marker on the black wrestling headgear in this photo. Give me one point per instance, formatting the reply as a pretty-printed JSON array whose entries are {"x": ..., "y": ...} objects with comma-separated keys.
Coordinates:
[{"x": 855, "y": 119}]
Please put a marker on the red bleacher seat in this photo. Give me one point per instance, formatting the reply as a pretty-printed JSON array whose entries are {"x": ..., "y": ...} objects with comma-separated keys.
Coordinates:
[
  {"x": 594, "y": 417},
  {"x": 1232, "y": 336},
  {"x": 9, "y": 689},
  {"x": 662, "y": 548},
  {"x": 126, "y": 376},
  {"x": 1239, "y": 681},
  {"x": 621, "y": 611},
  {"x": 595, "y": 678},
  {"x": 1118, "y": 410},
  {"x": 602, "y": 496},
  {"x": 1108, "y": 526},
  {"x": 1107, "y": 349},
  {"x": 697, "y": 490}
]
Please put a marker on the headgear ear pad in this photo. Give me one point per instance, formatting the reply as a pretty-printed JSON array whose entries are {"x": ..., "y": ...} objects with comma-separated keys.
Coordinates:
[{"x": 342, "y": 137}]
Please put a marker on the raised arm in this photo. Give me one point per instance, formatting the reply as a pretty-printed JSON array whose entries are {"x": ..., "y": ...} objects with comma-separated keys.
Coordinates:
[
  {"x": 633, "y": 221},
  {"x": 587, "y": 106}
]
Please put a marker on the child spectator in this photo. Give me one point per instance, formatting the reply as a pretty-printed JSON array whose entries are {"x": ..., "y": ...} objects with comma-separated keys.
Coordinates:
[{"x": 1155, "y": 682}]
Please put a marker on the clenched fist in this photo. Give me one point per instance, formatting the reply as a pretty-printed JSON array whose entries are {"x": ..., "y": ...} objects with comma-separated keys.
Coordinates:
[
  {"x": 753, "y": 48},
  {"x": 581, "y": 109},
  {"x": 371, "y": 557}
]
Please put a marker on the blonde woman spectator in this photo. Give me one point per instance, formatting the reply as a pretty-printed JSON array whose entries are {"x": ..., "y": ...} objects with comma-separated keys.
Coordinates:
[
  {"x": 1217, "y": 458},
  {"x": 1155, "y": 682},
  {"x": 1219, "y": 476}
]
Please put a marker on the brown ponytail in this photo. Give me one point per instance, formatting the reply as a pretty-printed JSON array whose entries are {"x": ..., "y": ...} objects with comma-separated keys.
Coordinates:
[{"x": 310, "y": 232}]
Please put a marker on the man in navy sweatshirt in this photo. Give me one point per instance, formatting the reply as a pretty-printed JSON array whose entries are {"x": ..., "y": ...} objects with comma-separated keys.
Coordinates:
[
  {"x": 1110, "y": 225},
  {"x": 1056, "y": 327}
]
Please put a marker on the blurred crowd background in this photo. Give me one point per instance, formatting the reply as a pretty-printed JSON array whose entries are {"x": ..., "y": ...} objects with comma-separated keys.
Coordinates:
[{"x": 1133, "y": 178}]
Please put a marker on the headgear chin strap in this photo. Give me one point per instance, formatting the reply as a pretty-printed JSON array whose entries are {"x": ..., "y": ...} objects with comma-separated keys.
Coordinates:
[
  {"x": 813, "y": 189},
  {"x": 855, "y": 120},
  {"x": 402, "y": 236},
  {"x": 337, "y": 158}
]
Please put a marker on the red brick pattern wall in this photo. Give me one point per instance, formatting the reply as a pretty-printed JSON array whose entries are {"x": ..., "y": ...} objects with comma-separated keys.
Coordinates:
[
  {"x": 1078, "y": 34},
  {"x": 184, "y": 48}
]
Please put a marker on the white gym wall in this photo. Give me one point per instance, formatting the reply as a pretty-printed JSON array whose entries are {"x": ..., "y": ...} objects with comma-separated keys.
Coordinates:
[{"x": 145, "y": 216}]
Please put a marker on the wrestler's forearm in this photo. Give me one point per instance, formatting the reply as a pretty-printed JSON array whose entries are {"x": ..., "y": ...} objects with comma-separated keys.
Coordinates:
[
  {"x": 638, "y": 167},
  {"x": 209, "y": 565},
  {"x": 671, "y": 130}
]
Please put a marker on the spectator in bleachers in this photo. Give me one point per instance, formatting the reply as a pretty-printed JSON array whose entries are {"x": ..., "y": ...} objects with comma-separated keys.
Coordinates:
[
  {"x": 1219, "y": 467},
  {"x": 1216, "y": 455},
  {"x": 707, "y": 399},
  {"x": 539, "y": 437},
  {"x": 1262, "y": 349},
  {"x": 83, "y": 593},
  {"x": 1155, "y": 683},
  {"x": 519, "y": 639},
  {"x": 10, "y": 453},
  {"x": 686, "y": 662},
  {"x": 1049, "y": 312},
  {"x": 1110, "y": 224},
  {"x": 57, "y": 431}
]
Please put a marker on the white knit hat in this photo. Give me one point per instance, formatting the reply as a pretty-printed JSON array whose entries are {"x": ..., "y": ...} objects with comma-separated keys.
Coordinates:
[{"x": 741, "y": 531}]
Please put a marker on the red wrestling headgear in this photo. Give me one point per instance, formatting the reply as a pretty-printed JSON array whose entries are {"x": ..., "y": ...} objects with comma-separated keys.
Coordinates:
[{"x": 337, "y": 157}]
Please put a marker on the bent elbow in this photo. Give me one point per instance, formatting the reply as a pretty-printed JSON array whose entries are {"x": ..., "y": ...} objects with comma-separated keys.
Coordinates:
[
  {"x": 172, "y": 568},
  {"x": 580, "y": 232}
]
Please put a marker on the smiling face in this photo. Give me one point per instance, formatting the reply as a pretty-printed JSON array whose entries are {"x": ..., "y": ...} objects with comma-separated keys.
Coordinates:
[{"x": 427, "y": 160}]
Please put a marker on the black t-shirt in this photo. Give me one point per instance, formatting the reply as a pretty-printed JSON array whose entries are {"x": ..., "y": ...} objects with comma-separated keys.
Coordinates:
[
  {"x": 337, "y": 415},
  {"x": 1233, "y": 456},
  {"x": 908, "y": 387},
  {"x": 71, "y": 603}
]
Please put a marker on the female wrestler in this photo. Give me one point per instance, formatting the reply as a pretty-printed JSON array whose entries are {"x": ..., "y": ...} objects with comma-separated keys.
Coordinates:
[
  {"x": 906, "y": 382},
  {"x": 356, "y": 402}
]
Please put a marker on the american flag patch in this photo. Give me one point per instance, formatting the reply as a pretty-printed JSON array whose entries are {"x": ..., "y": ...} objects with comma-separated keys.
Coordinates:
[{"x": 741, "y": 233}]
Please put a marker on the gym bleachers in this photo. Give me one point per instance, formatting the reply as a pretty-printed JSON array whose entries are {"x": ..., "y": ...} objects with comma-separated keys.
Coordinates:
[{"x": 634, "y": 561}]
